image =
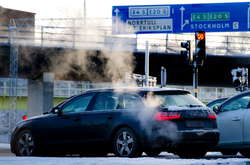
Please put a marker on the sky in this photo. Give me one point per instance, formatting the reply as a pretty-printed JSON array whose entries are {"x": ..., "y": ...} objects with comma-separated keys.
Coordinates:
[{"x": 95, "y": 8}]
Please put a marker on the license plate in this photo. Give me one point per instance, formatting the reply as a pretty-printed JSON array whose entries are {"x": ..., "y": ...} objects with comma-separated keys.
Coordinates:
[{"x": 195, "y": 124}]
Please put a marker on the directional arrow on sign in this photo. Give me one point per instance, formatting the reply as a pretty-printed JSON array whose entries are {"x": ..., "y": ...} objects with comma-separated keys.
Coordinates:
[
  {"x": 182, "y": 9},
  {"x": 116, "y": 19}
]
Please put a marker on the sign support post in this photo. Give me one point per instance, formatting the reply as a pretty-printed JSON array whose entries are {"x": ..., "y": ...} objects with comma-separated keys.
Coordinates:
[{"x": 147, "y": 64}]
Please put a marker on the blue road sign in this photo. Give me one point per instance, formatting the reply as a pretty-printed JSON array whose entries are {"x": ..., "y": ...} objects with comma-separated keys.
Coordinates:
[{"x": 181, "y": 18}]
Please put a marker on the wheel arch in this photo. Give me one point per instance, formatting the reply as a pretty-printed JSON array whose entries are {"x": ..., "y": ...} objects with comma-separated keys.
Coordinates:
[
  {"x": 17, "y": 131},
  {"x": 15, "y": 135}
]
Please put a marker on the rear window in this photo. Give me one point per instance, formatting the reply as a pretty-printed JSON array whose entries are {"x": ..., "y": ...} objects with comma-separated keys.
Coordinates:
[{"x": 173, "y": 99}]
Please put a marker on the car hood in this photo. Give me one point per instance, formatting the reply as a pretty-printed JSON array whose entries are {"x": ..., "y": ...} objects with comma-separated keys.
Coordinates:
[{"x": 38, "y": 117}]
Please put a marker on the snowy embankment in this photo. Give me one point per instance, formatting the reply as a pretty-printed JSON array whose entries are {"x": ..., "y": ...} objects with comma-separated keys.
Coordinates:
[
  {"x": 119, "y": 161},
  {"x": 4, "y": 146}
]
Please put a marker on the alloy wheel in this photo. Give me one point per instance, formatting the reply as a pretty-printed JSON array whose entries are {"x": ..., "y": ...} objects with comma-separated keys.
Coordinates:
[
  {"x": 125, "y": 143},
  {"x": 25, "y": 144}
]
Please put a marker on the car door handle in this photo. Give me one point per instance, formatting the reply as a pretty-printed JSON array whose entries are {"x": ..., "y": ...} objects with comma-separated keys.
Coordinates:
[
  {"x": 236, "y": 118},
  {"x": 77, "y": 119}
]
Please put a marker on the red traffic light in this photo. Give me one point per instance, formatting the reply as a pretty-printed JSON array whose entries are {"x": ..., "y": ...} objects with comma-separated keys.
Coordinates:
[{"x": 200, "y": 35}]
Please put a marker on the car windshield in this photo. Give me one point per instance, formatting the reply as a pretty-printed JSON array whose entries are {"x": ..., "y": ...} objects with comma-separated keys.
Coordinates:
[
  {"x": 174, "y": 99},
  {"x": 216, "y": 102}
]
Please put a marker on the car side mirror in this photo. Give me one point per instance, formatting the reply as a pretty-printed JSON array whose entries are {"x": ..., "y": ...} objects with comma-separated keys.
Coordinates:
[
  {"x": 217, "y": 109},
  {"x": 57, "y": 110}
]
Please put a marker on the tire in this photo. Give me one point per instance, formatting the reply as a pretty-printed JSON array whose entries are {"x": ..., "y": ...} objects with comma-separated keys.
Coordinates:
[
  {"x": 153, "y": 153},
  {"x": 229, "y": 152},
  {"x": 245, "y": 153},
  {"x": 192, "y": 154},
  {"x": 126, "y": 143},
  {"x": 25, "y": 144}
]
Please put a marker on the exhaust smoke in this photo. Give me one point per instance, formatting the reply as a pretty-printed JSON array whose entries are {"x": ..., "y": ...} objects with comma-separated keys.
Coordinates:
[
  {"x": 145, "y": 115},
  {"x": 90, "y": 60}
]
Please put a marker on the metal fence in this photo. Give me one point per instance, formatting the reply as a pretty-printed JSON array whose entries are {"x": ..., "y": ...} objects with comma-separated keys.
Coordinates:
[{"x": 65, "y": 89}]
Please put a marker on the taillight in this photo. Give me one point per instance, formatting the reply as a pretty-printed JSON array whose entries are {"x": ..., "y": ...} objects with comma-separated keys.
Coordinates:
[
  {"x": 24, "y": 117},
  {"x": 212, "y": 116},
  {"x": 167, "y": 116}
]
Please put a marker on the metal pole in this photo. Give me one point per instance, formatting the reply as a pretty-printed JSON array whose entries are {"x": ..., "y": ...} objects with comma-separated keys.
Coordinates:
[
  {"x": 147, "y": 65},
  {"x": 74, "y": 33},
  {"x": 42, "y": 30},
  {"x": 166, "y": 50},
  {"x": 163, "y": 77},
  {"x": 13, "y": 73},
  {"x": 84, "y": 12},
  {"x": 136, "y": 46},
  {"x": 195, "y": 80}
]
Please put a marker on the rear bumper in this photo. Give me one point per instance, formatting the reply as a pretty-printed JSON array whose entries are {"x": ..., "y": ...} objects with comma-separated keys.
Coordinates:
[
  {"x": 199, "y": 136},
  {"x": 194, "y": 138}
]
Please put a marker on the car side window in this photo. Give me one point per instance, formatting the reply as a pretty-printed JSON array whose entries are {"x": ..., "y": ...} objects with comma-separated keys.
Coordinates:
[
  {"x": 238, "y": 103},
  {"x": 105, "y": 101},
  {"x": 78, "y": 104},
  {"x": 130, "y": 101}
]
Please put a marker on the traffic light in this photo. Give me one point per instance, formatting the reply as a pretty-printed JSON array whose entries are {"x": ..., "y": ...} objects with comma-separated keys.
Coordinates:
[
  {"x": 240, "y": 78},
  {"x": 200, "y": 47},
  {"x": 188, "y": 53}
]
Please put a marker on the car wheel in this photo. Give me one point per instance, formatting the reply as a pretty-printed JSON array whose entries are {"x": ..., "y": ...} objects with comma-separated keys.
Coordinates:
[
  {"x": 229, "y": 152},
  {"x": 245, "y": 153},
  {"x": 126, "y": 144},
  {"x": 153, "y": 153},
  {"x": 192, "y": 154},
  {"x": 25, "y": 144}
]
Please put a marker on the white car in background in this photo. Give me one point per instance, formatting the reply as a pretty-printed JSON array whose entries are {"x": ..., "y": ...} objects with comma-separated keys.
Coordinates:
[{"x": 233, "y": 118}]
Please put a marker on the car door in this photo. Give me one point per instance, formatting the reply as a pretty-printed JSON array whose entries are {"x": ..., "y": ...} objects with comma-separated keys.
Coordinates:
[
  {"x": 231, "y": 120},
  {"x": 246, "y": 124},
  {"x": 64, "y": 127},
  {"x": 98, "y": 119}
]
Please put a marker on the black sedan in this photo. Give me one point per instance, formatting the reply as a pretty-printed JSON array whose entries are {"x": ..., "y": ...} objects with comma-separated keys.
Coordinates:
[{"x": 124, "y": 121}]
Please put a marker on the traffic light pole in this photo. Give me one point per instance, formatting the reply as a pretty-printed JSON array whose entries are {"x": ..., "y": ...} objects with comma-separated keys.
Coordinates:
[
  {"x": 195, "y": 80},
  {"x": 197, "y": 59}
]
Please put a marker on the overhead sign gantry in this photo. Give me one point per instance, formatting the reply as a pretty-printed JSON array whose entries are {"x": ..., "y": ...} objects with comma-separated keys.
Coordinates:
[{"x": 181, "y": 18}]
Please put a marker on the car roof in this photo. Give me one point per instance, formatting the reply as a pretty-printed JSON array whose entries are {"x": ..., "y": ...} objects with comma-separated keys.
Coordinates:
[
  {"x": 235, "y": 96},
  {"x": 137, "y": 89},
  {"x": 217, "y": 100},
  {"x": 239, "y": 94}
]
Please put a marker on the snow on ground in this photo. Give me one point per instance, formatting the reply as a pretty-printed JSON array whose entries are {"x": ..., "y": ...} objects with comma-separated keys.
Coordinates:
[
  {"x": 4, "y": 146},
  {"x": 164, "y": 159},
  {"x": 118, "y": 161}
]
